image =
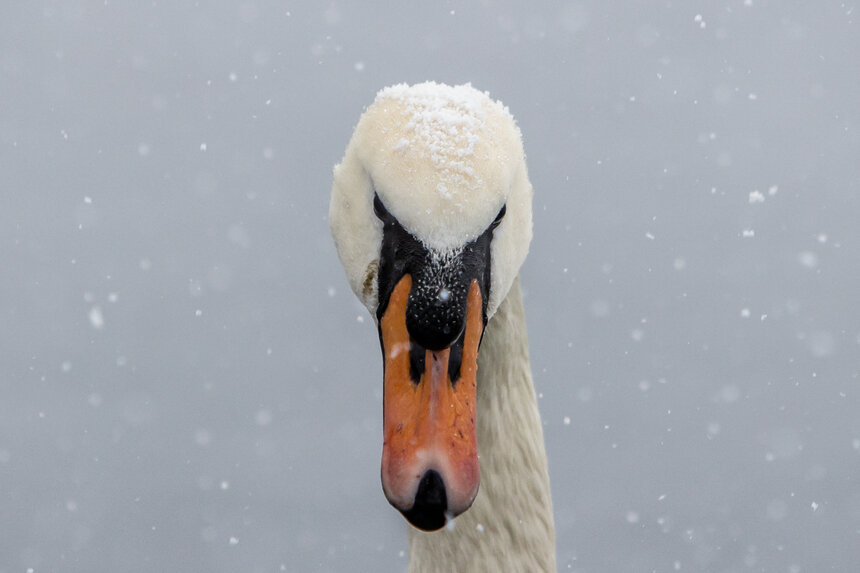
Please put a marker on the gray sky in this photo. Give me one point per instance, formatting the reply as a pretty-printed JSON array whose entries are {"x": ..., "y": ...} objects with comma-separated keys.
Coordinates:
[{"x": 189, "y": 385}]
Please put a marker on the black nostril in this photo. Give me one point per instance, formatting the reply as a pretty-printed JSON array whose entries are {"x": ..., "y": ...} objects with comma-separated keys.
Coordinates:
[{"x": 431, "y": 502}]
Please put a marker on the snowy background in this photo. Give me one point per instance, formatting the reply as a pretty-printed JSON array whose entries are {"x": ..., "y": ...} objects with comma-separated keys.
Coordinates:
[{"x": 189, "y": 385}]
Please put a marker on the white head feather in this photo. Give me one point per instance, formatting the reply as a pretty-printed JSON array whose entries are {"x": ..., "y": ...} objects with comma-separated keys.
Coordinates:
[{"x": 443, "y": 160}]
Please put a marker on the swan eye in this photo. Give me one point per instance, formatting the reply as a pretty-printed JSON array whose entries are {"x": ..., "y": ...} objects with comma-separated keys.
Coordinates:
[
  {"x": 379, "y": 209},
  {"x": 499, "y": 217}
]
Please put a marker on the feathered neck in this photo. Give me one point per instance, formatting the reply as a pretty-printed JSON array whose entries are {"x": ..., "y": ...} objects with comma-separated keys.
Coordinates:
[{"x": 510, "y": 525}]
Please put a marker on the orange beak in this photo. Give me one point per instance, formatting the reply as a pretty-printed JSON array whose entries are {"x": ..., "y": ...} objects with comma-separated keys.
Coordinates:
[{"x": 430, "y": 453}]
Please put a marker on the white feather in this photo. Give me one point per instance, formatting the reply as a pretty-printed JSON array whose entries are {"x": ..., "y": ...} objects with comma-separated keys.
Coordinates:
[{"x": 443, "y": 160}]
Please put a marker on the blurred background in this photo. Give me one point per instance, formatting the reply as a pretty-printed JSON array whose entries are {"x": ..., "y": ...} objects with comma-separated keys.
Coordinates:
[{"x": 189, "y": 385}]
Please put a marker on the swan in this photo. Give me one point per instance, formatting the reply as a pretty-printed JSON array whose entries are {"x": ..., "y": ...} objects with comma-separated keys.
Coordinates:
[{"x": 431, "y": 218}]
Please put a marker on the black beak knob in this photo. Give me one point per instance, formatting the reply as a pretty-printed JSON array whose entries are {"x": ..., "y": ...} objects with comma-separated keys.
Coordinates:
[{"x": 435, "y": 314}]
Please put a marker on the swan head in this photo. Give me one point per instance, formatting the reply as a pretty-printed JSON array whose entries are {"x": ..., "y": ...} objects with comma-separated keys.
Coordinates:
[{"x": 431, "y": 216}]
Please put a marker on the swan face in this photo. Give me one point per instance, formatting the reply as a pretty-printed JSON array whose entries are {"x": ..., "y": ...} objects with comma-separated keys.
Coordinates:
[{"x": 431, "y": 217}]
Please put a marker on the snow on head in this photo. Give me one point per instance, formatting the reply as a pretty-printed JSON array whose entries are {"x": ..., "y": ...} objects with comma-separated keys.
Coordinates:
[
  {"x": 444, "y": 124},
  {"x": 441, "y": 158}
]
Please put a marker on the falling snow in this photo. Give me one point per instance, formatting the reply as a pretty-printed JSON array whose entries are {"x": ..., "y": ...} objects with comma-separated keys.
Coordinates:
[
  {"x": 756, "y": 197},
  {"x": 184, "y": 363},
  {"x": 96, "y": 317}
]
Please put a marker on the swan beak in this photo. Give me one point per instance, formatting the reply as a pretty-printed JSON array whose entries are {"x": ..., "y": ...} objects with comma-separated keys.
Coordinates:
[{"x": 430, "y": 453}]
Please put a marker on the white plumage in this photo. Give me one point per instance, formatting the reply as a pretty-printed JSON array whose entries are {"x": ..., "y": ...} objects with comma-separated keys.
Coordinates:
[{"x": 444, "y": 160}]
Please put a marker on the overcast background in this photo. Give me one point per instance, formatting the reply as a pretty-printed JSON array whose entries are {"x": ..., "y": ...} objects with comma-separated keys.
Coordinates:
[{"x": 187, "y": 383}]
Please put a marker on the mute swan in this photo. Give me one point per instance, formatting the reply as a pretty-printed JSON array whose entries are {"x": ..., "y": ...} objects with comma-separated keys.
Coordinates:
[{"x": 431, "y": 216}]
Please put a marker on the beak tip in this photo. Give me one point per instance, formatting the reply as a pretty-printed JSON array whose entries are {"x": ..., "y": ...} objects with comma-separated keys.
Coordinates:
[{"x": 430, "y": 508}]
